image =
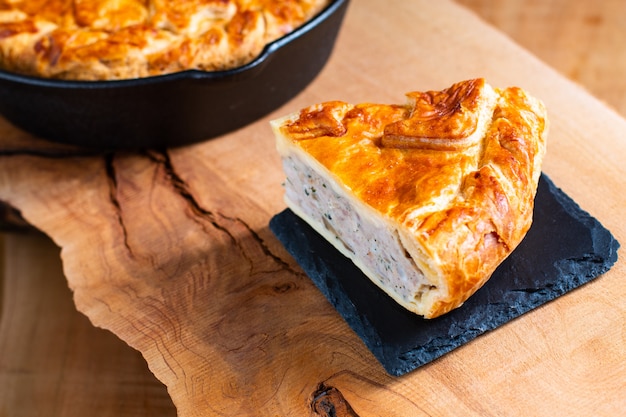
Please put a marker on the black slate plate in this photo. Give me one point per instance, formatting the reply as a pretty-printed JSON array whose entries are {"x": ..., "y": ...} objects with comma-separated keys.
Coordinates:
[{"x": 564, "y": 249}]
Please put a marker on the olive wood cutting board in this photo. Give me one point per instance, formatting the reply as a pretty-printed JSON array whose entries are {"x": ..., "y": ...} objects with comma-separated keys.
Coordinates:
[{"x": 171, "y": 250}]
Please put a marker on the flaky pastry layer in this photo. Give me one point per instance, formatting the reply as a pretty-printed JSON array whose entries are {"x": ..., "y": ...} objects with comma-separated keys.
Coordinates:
[
  {"x": 120, "y": 39},
  {"x": 451, "y": 175}
]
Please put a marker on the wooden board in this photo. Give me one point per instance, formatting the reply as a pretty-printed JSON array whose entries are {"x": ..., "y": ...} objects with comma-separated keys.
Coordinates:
[{"x": 172, "y": 253}]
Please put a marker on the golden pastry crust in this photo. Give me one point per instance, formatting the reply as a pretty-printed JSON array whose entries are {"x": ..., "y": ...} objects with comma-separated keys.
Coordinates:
[
  {"x": 120, "y": 39},
  {"x": 453, "y": 172}
]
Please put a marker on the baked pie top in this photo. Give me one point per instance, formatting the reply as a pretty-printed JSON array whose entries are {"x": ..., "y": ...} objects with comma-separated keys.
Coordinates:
[{"x": 120, "y": 39}]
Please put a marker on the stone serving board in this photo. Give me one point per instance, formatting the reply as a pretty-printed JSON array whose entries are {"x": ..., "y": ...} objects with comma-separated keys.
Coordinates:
[{"x": 564, "y": 249}]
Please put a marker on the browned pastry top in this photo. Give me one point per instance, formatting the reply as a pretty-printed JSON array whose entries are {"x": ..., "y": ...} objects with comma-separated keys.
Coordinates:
[{"x": 118, "y": 39}]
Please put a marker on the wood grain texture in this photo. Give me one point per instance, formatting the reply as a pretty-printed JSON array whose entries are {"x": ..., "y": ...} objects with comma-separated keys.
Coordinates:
[
  {"x": 53, "y": 362},
  {"x": 171, "y": 252},
  {"x": 582, "y": 40}
]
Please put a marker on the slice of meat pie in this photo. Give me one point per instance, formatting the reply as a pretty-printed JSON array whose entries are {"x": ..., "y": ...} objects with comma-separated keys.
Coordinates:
[{"x": 426, "y": 198}]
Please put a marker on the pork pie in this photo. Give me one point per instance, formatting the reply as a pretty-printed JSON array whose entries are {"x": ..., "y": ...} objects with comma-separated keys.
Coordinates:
[
  {"x": 119, "y": 39},
  {"x": 427, "y": 198}
]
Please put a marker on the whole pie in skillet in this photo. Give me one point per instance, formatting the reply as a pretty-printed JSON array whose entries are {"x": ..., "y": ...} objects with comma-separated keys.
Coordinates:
[
  {"x": 119, "y": 39},
  {"x": 427, "y": 198}
]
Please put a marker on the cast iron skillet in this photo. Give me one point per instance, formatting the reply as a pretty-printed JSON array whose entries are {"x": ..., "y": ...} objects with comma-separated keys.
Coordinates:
[{"x": 174, "y": 109}]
